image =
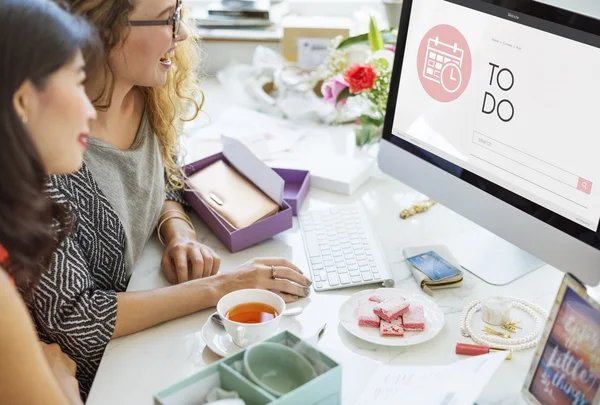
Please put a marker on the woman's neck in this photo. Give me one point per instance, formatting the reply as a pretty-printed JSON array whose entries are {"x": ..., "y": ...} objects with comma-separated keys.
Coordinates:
[{"x": 118, "y": 124}]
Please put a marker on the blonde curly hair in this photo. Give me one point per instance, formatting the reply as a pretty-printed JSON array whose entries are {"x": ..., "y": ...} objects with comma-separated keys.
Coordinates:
[{"x": 168, "y": 106}]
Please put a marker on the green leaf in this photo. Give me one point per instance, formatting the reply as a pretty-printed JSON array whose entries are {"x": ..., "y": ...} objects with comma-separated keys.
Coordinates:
[
  {"x": 344, "y": 94},
  {"x": 368, "y": 120},
  {"x": 375, "y": 39},
  {"x": 388, "y": 36}
]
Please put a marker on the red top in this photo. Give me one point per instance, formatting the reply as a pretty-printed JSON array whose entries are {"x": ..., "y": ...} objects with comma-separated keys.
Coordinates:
[
  {"x": 3, "y": 254},
  {"x": 3, "y": 257}
]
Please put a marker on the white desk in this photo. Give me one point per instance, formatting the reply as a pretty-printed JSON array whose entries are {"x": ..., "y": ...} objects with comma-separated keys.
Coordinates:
[{"x": 137, "y": 366}]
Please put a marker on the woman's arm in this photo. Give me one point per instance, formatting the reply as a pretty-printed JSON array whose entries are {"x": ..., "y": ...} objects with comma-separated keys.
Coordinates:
[
  {"x": 144, "y": 309},
  {"x": 184, "y": 258},
  {"x": 25, "y": 375}
]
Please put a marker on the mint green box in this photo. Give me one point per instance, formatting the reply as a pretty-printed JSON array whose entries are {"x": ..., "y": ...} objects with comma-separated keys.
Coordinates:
[{"x": 323, "y": 390}]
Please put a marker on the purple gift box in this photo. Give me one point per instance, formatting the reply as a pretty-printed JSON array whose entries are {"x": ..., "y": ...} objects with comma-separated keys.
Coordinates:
[{"x": 297, "y": 184}]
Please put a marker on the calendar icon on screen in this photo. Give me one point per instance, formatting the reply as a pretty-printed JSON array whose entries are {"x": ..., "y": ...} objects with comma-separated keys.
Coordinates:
[{"x": 443, "y": 64}]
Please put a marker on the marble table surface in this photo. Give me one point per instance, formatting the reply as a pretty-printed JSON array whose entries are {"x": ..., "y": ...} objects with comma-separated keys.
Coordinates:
[{"x": 137, "y": 366}]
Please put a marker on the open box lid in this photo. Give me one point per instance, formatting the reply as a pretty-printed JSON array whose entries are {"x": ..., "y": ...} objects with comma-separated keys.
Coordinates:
[{"x": 245, "y": 162}]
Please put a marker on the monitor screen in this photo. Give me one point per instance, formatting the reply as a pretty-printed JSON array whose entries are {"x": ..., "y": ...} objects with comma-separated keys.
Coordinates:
[{"x": 507, "y": 97}]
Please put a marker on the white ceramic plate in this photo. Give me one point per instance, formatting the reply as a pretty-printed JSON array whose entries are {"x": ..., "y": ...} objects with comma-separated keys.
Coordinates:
[
  {"x": 220, "y": 341},
  {"x": 434, "y": 318}
]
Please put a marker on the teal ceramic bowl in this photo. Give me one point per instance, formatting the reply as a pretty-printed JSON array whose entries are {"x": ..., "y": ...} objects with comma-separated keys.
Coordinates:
[{"x": 277, "y": 368}]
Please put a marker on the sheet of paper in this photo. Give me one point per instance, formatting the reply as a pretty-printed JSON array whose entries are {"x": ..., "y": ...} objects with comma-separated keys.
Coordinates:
[
  {"x": 256, "y": 171},
  {"x": 460, "y": 383}
]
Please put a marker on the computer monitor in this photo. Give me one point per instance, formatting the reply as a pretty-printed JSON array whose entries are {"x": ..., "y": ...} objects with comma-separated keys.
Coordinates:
[{"x": 494, "y": 111}]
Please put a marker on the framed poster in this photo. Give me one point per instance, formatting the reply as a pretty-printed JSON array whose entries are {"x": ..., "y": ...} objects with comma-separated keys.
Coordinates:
[{"x": 566, "y": 366}]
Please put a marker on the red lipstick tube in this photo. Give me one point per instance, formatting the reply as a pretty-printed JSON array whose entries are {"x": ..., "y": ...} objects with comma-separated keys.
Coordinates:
[{"x": 476, "y": 350}]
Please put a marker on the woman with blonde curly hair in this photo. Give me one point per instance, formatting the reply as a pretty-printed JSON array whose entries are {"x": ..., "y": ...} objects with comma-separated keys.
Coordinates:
[{"x": 129, "y": 184}]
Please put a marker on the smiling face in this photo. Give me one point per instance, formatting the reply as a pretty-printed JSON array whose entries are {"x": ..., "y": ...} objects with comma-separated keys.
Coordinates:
[
  {"x": 144, "y": 57},
  {"x": 58, "y": 116}
]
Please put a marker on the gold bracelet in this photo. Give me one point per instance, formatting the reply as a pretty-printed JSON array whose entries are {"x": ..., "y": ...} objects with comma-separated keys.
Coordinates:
[
  {"x": 186, "y": 219},
  {"x": 167, "y": 211}
]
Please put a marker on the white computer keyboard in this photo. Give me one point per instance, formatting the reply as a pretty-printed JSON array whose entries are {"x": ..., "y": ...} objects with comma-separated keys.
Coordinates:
[{"x": 342, "y": 249}]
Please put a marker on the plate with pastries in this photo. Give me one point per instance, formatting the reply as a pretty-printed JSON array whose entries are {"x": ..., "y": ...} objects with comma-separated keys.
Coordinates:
[{"x": 391, "y": 317}]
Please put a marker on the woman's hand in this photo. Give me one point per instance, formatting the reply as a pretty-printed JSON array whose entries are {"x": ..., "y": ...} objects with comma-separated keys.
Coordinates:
[
  {"x": 64, "y": 370},
  {"x": 185, "y": 255},
  {"x": 257, "y": 273}
]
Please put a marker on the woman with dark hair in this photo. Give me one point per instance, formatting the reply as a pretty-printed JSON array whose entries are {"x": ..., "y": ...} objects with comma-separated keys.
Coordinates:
[{"x": 44, "y": 121}]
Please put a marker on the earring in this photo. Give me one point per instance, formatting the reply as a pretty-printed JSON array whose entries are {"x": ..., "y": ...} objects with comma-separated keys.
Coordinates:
[{"x": 24, "y": 119}]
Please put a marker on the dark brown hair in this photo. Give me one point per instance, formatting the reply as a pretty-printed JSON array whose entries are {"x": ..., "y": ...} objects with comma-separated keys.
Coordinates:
[{"x": 37, "y": 38}]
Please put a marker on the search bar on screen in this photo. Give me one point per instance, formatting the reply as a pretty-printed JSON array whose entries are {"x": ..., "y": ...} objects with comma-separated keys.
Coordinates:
[{"x": 532, "y": 169}]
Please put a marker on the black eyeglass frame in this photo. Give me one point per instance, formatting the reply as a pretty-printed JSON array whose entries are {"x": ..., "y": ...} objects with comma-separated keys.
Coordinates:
[{"x": 174, "y": 20}]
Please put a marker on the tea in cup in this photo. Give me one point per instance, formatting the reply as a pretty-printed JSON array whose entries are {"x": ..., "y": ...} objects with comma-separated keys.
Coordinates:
[{"x": 251, "y": 315}]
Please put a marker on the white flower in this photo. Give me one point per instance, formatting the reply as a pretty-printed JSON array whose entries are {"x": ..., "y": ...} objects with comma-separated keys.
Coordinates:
[{"x": 384, "y": 55}]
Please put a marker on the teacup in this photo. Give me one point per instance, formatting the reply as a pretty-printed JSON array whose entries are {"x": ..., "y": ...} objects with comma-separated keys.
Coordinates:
[{"x": 245, "y": 334}]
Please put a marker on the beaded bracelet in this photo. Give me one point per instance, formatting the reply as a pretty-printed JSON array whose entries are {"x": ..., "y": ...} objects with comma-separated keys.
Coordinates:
[{"x": 515, "y": 344}]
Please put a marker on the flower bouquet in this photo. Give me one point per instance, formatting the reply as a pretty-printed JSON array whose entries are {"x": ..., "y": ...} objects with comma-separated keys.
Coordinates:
[{"x": 360, "y": 67}]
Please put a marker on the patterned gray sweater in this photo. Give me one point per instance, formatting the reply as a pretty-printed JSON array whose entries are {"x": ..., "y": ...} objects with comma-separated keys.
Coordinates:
[{"x": 75, "y": 303}]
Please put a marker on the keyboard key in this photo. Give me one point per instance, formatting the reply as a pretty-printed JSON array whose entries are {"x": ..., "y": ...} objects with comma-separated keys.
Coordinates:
[
  {"x": 319, "y": 285},
  {"x": 367, "y": 276},
  {"x": 354, "y": 273},
  {"x": 356, "y": 279},
  {"x": 331, "y": 269},
  {"x": 352, "y": 266},
  {"x": 344, "y": 278},
  {"x": 316, "y": 259},
  {"x": 342, "y": 270},
  {"x": 329, "y": 263},
  {"x": 312, "y": 244},
  {"x": 361, "y": 256},
  {"x": 318, "y": 266},
  {"x": 377, "y": 276},
  {"x": 360, "y": 263},
  {"x": 334, "y": 279}
]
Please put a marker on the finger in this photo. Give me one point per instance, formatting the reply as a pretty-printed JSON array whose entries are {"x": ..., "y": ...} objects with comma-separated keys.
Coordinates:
[
  {"x": 287, "y": 287},
  {"x": 216, "y": 262},
  {"x": 279, "y": 261},
  {"x": 181, "y": 265},
  {"x": 197, "y": 263},
  {"x": 289, "y": 274},
  {"x": 287, "y": 297},
  {"x": 208, "y": 261},
  {"x": 169, "y": 269}
]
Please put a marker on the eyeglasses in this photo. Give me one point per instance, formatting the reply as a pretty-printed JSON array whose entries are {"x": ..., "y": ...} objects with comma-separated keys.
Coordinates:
[{"x": 174, "y": 20}]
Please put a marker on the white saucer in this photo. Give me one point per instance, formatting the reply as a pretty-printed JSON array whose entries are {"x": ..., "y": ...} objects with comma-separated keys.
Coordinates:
[
  {"x": 220, "y": 341},
  {"x": 434, "y": 318}
]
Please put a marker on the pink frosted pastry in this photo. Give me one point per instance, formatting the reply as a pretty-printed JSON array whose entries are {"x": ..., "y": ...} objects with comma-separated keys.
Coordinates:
[
  {"x": 391, "y": 309},
  {"x": 376, "y": 298},
  {"x": 366, "y": 316},
  {"x": 414, "y": 319},
  {"x": 393, "y": 328}
]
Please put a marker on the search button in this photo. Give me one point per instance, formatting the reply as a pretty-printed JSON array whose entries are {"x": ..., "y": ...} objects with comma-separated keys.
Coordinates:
[{"x": 584, "y": 185}]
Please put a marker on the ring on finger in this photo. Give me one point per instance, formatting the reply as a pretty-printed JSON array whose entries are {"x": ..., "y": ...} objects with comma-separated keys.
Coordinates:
[{"x": 273, "y": 272}]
